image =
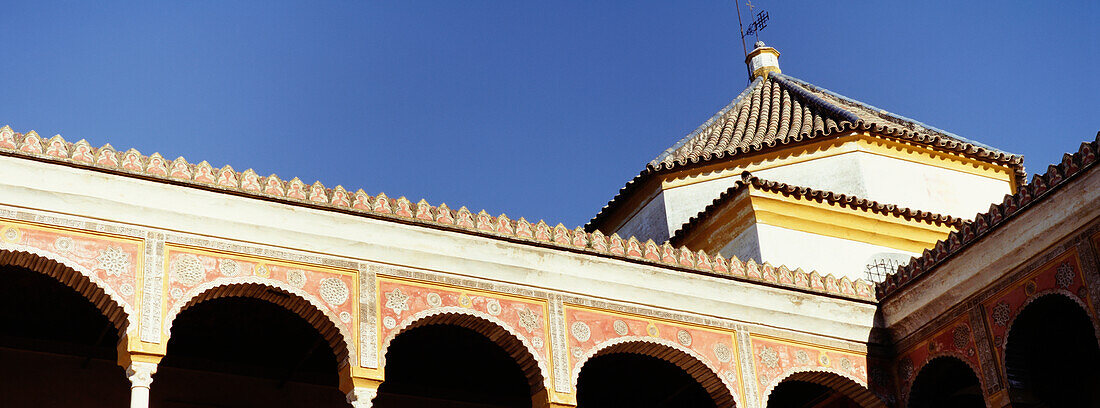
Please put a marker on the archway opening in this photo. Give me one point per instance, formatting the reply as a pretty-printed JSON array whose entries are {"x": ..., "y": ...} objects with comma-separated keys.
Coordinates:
[
  {"x": 56, "y": 347},
  {"x": 946, "y": 382},
  {"x": 802, "y": 394},
  {"x": 1052, "y": 354},
  {"x": 444, "y": 365},
  {"x": 636, "y": 380},
  {"x": 246, "y": 352}
]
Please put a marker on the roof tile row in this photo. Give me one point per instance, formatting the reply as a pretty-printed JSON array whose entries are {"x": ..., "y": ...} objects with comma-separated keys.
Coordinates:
[
  {"x": 1041, "y": 186},
  {"x": 203, "y": 175}
]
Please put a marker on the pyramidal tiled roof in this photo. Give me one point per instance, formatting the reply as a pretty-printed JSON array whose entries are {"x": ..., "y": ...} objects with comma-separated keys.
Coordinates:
[{"x": 779, "y": 110}]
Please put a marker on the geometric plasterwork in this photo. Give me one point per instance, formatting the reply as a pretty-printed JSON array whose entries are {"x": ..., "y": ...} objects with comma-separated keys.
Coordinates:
[
  {"x": 1061, "y": 276},
  {"x": 591, "y": 330},
  {"x": 403, "y": 303},
  {"x": 957, "y": 339},
  {"x": 191, "y": 271},
  {"x": 776, "y": 359},
  {"x": 114, "y": 263}
]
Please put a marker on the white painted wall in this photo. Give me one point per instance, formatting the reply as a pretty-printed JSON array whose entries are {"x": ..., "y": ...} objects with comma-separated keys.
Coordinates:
[
  {"x": 929, "y": 188},
  {"x": 827, "y": 255},
  {"x": 649, "y": 223}
]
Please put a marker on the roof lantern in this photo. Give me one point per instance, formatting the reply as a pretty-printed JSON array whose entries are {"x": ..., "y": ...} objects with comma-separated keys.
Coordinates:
[{"x": 762, "y": 60}]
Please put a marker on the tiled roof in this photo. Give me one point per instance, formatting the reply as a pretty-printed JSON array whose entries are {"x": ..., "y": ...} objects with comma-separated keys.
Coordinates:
[
  {"x": 1041, "y": 187},
  {"x": 294, "y": 192},
  {"x": 843, "y": 200},
  {"x": 778, "y": 111}
]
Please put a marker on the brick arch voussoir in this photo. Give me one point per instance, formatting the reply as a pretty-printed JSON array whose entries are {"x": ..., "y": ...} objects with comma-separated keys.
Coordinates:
[
  {"x": 73, "y": 275},
  {"x": 686, "y": 359},
  {"x": 841, "y": 382},
  {"x": 508, "y": 338},
  {"x": 304, "y": 305},
  {"x": 943, "y": 355}
]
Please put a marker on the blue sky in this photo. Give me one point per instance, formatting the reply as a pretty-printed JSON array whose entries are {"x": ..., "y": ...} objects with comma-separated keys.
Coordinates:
[{"x": 535, "y": 109}]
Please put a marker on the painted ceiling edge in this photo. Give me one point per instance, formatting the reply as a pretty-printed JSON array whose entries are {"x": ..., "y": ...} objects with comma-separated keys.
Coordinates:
[
  {"x": 845, "y": 200},
  {"x": 1000, "y": 214},
  {"x": 248, "y": 183}
]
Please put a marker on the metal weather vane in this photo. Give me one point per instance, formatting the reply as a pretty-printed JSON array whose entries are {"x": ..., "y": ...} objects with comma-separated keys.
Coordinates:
[{"x": 755, "y": 27}]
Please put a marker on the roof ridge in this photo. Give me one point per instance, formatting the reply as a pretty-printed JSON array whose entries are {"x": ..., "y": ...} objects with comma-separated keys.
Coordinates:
[
  {"x": 999, "y": 214},
  {"x": 802, "y": 83},
  {"x": 713, "y": 118},
  {"x": 249, "y": 183},
  {"x": 846, "y": 200}
]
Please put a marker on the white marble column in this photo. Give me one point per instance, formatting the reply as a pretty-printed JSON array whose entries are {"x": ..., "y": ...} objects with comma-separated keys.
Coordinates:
[
  {"x": 141, "y": 376},
  {"x": 362, "y": 397}
]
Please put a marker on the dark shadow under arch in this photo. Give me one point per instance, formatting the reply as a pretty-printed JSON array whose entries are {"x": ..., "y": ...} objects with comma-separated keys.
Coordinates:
[
  {"x": 493, "y": 331},
  {"x": 286, "y": 300},
  {"x": 695, "y": 368},
  {"x": 1051, "y": 354},
  {"x": 51, "y": 334},
  {"x": 829, "y": 384},
  {"x": 946, "y": 382},
  {"x": 70, "y": 277}
]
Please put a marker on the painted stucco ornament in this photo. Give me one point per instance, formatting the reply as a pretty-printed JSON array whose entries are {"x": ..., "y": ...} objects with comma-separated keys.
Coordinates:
[
  {"x": 1064, "y": 277},
  {"x": 961, "y": 337},
  {"x": 528, "y": 320},
  {"x": 684, "y": 338},
  {"x": 621, "y": 328},
  {"x": 188, "y": 270},
  {"x": 802, "y": 357},
  {"x": 296, "y": 278},
  {"x": 722, "y": 352},
  {"x": 434, "y": 300},
  {"x": 493, "y": 307},
  {"x": 397, "y": 301},
  {"x": 1001, "y": 314},
  {"x": 228, "y": 267},
  {"x": 334, "y": 291},
  {"x": 581, "y": 331},
  {"x": 769, "y": 357},
  {"x": 113, "y": 260}
]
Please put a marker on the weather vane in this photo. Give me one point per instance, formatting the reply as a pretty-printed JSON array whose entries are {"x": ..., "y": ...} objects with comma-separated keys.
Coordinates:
[{"x": 758, "y": 24}]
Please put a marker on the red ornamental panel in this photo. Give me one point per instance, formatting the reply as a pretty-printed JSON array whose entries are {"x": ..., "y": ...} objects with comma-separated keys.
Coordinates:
[
  {"x": 1062, "y": 275},
  {"x": 192, "y": 271},
  {"x": 589, "y": 330},
  {"x": 115, "y": 262},
  {"x": 774, "y": 359},
  {"x": 402, "y": 302},
  {"x": 957, "y": 340}
]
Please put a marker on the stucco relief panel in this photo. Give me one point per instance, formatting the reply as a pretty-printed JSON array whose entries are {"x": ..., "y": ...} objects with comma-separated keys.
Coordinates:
[
  {"x": 588, "y": 329},
  {"x": 187, "y": 270},
  {"x": 956, "y": 339},
  {"x": 774, "y": 359},
  {"x": 1061, "y": 275},
  {"x": 400, "y": 300},
  {"x": 116, "y": 262}
]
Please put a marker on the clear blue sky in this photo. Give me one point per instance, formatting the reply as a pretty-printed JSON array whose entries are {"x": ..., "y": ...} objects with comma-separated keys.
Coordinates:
[{"x": 536, "y": 109}]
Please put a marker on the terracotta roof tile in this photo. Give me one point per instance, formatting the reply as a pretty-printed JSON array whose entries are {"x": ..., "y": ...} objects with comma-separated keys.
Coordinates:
[
  {"x": 780, "y": 110},
  {"x": 1041, "y": 187},
  {"x": 154, "y": 167}
]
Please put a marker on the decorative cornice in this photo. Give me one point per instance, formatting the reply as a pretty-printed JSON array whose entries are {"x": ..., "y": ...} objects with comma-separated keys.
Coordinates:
[
  {"x": 1041, "y": 187},
  {"x": 294, "y": 192}
]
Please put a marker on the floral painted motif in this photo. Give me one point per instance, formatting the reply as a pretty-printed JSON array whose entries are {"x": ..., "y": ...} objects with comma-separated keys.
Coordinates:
[
  {"x": 776, "y": 358},
  {"x": 397, "y": 301},
  {"x": 192, "y": 269},
  {"x": 113, "y": 261}
]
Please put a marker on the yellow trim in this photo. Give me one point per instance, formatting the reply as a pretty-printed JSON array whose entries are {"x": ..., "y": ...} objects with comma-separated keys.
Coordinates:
[
  {"x": 820, "y": 218},
  {"x": 853, "y": 142},
  {"x": 835, "y": 221},
  {"x": 800, "y": 343}
]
